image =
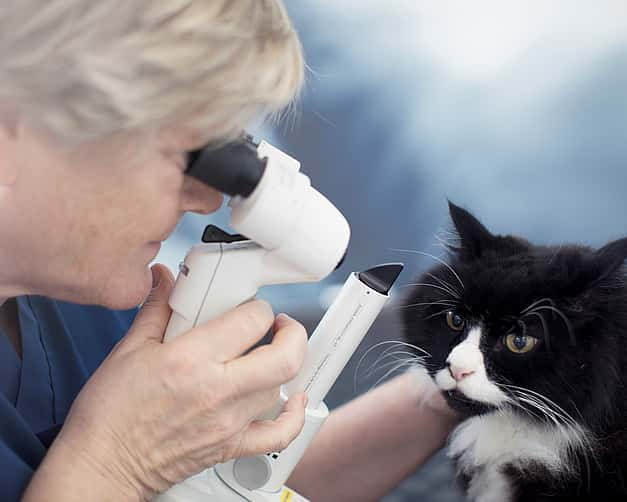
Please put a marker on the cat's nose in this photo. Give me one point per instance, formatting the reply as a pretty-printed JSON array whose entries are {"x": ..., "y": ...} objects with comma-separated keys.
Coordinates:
[{"x": 457, "y": 372}]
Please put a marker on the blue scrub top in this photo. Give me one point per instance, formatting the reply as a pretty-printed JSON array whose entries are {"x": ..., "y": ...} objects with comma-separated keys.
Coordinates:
[{"x": 62, "y": 345}]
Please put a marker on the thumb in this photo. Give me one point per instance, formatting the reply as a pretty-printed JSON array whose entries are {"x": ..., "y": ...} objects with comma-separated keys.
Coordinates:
[
  {"x": 275, "y": 435},
  {"x": 152, "y": 319}
]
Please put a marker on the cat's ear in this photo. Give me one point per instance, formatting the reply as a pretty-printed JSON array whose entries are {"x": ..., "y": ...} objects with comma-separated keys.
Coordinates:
[
  {"x": 610, "y": 257},
  {"x": 474, "y": 237}
]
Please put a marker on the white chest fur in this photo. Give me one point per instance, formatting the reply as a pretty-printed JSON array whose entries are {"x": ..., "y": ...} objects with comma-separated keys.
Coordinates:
[{"x": 483, "y": 445}]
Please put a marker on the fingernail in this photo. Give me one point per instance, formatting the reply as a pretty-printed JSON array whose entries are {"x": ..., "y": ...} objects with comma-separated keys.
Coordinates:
[
  {"x": 285, "y": 316},
  {"x": 305, "y": 400}
]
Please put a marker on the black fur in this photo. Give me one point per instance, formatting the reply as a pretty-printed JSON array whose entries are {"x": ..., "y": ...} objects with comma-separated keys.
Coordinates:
[{"x": 580, "y": 362}]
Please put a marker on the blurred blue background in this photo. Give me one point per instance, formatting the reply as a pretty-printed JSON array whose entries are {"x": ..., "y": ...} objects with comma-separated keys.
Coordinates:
[{"x": 515, "y": 110}]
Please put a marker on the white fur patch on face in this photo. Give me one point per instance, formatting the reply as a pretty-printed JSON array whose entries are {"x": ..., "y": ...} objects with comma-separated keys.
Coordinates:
[{"x": 467, "y": 358}]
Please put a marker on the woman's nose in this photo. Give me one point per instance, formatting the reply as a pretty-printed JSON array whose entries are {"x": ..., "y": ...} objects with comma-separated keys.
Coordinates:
[{"x": 199, "y": 198}]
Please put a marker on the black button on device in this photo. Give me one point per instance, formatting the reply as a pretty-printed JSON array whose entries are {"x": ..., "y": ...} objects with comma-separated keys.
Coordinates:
[{"x": 216, "y": 235}]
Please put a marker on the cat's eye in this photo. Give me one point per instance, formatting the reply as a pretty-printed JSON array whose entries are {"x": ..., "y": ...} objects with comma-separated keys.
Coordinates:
[
  {"x": 520, "y": 344},
  {"x": 455, "y": 321}
]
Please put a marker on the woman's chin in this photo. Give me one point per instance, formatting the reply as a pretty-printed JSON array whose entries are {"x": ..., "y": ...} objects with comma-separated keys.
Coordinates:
[{"x": 129, "y": 293}]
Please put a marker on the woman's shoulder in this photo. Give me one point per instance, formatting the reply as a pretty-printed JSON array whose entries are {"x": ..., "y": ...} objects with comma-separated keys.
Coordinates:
[
  {"x": 78, "y": 316},
  {"x": 91, "y": 331}
]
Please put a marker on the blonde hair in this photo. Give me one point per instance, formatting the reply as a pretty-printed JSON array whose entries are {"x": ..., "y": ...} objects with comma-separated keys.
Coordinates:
[{"x": 88, "y": 68}]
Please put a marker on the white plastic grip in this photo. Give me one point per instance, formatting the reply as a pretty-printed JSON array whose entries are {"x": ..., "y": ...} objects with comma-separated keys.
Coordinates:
[
  {"x": 268, "y": 473},
  {"x": 204, "y": 287},
  {"x": 284, "y": 462},
  {"x": 192, "y": 283}
]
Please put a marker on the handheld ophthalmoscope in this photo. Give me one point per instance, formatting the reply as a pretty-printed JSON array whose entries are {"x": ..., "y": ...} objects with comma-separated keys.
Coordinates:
[{"x": 289, "y": 233}]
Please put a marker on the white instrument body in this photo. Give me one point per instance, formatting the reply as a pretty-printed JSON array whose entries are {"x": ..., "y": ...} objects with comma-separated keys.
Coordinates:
[{"x": 295, "y": 235}]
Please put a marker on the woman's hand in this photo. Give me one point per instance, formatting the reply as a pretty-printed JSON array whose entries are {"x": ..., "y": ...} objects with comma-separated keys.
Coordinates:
[
  {"x": 369, "y": 445},
  {"x": 154, "y": 414}
]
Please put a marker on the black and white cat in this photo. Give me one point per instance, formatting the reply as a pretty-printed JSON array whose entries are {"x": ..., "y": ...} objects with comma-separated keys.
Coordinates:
[{"x": 529, "y": 344}]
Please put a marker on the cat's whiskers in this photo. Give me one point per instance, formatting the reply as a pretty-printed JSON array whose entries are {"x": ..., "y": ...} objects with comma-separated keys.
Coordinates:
[
  {"x": 450, "y": 303},
  {"x": 543, "y": 408},
  {"x": 541, "y": 402},
  {"x": 574, "y": 432},
  {"x": 439, "y": 260},
  {"x": 408, "y": 363},
  {"x": 574, "y": 404},
  {"x": 523, "y": 326},
  {"x": 536, "y": 303},
  {"x": 514, "y": 403},
  {"x": 545, "y": 328},
  {"x": 445, "y": 284},
  {"x": 395, "y": 359},
  {"x": 564, "y": 422},
  {"x": 395, "y": 355},
  {"x": 564, "y": 318},
  {"x": 556, "y": 407},
  {"x": 436, "y": 314},
  {"x": 430, "y": 285},
  {"x": 394, "y": 344},
  {"x": 450, "y": 243}
]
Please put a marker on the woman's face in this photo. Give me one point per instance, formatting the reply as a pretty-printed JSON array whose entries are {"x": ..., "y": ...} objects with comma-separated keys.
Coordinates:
[{"x": 83, "y": 223}]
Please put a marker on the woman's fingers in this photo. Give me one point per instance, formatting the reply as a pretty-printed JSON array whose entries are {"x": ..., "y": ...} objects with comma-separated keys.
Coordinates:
[
  {"x": 270, "y": 365},
  {"x": 267, "y": 436},
  {"x": 231, "y": 334}
]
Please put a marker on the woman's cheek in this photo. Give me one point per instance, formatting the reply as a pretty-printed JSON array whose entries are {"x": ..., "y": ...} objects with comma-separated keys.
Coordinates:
[{"x": 170, "y": 190}]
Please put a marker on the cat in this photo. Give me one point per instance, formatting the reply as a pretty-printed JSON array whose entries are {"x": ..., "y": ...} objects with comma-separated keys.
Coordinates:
[{"x": 528, "y": 344}]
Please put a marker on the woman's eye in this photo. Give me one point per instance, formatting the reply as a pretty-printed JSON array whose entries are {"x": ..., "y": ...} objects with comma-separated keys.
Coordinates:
[
  {"x": 520, "y": 344},
  {"x": 455, "y": 321}
]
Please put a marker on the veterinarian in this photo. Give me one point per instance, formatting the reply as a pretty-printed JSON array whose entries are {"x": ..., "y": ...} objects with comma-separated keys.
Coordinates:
[{"x": 99, "y": 103}]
